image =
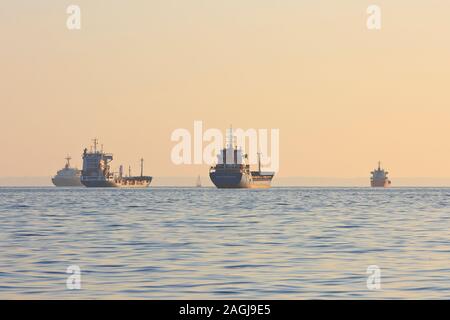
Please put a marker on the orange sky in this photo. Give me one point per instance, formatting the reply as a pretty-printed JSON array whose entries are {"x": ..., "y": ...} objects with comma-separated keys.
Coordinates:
[{"x": 342, "y": 96}]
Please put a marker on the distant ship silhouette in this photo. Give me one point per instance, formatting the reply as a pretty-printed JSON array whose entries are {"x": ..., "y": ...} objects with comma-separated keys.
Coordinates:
[{"x": 198, "y": 183}]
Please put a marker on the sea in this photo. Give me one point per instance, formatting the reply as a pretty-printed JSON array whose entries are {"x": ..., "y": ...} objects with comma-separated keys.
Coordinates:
[{"x": 207, "y": 243}]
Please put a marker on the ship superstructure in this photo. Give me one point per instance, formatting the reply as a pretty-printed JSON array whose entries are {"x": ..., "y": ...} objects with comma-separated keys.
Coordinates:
[
  {"x": 379, "y": 177},
  {"x": 97, "y": 171},
  {"x": 68, "y": 176},
  {"x": 231, "y": 170}
]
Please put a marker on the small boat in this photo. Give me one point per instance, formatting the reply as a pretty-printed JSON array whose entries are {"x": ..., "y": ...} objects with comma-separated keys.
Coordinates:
[{"x": 198, "y": 183}]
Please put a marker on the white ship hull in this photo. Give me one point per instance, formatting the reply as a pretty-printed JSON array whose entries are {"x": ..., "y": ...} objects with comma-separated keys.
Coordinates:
[{"x": 67, "y": 182}]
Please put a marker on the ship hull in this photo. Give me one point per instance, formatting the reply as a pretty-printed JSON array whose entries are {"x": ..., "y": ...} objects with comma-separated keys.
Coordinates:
[
  {"x": 380, "y": 183},
  {"x": 99, "y": 184},
  {"x": 67, "y": 182},
  {"x": 125, "y": 183},
  {"x": 237, "y": 180}
]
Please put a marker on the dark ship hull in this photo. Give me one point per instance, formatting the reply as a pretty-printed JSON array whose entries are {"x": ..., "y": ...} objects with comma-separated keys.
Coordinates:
[
  {"x": 380, "y": 183},
  {"x": 234, "y": 179},
  {"x": 99, "y": 184},
  {"x": 129, "y": 182}
]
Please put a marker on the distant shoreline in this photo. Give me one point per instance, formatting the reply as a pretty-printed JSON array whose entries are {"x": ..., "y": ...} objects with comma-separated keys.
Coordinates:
[{"x": 278, "y": 182}]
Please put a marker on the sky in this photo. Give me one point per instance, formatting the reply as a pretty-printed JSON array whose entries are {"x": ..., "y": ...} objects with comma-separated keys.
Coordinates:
[{"x": 342, "y": 96}]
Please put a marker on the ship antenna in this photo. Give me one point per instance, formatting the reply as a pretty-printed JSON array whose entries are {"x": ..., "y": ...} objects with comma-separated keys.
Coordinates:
[
  {"x": 95, "y": 140},
  {"x": 142, "y": 167},
  {"x": 379, "y": 165},
  {"x": 230, "y": 137}
]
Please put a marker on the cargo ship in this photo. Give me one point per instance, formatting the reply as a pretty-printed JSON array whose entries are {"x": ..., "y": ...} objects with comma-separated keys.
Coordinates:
[
  {"x": 67, "y": 176},
  {"x": 379, "y": 178},
  {"x": 233, "y": 172},
  {"x": 97, "y": 171}
]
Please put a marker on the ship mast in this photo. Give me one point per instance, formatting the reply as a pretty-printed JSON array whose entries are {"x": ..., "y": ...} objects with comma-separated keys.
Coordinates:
[
  {"x": 259, "y": 162},
  {"x": 68, "y": 158},
  {"x": 230, "y": 137},
  {"x": 142, "y": 167},
  {"x": 95, "y": 140}
]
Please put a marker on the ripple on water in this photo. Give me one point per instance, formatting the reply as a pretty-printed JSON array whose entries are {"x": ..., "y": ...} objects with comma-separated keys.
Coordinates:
[{"x": 204, "y": 243}]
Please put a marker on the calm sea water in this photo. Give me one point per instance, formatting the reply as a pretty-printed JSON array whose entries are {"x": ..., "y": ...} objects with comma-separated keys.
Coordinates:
[{"x": 290, "y": 243}]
